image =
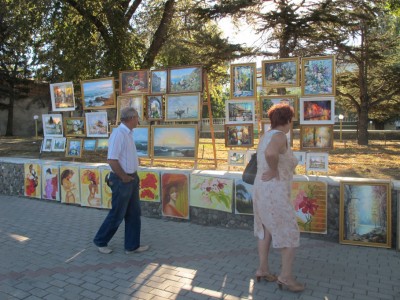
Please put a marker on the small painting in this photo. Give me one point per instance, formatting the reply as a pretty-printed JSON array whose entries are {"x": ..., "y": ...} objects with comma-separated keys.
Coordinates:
[
  {"x": 90, "y": 187},
  {"x": 106, "y": 193},
  {"x": 239, "y": 135},
  {"x": 102, "y": 144},
  {"x": 175, "y": 195},
  {"x": 96, "y": 124},
  {"x": 58, "y": 144},
  {"x": 316, "y": 137},
  {"x": 243, "y": 198},
  {"x": 149, "y": 186},
  {"x": 317, "y": 110},
  {"x": 282, "y": 72},
  {"x": 135, "y": 101},
  {"x": 46, "y": 145},
  {"x": 33, "y": 180},
  {"x": 50, "y": 182},
  {"x": 301, "y": 157},
  {"x": 182, "y": 107},
  {"x": 237, "y": 157},
  {"x": 74, "y": 148},
  {"x": 239, "y": 111},
  {"x": 134, "y": 82},
  {"x": 74, "y": 127},
  {"x": 266, "y": 102},
  {"x": 98, "y": 93},
  {"x": 318, "y": 76},
  {"x": 186, "y": 79},
  {"x": 154, "y": 107},
  {"x": 62, "y": 96},
  {"x": 70, "y": 183},
  {"x": 141, "y": 136},
  {"x": 243, "y": 81},
  {"x": 159, "y": 81},
  {"x": 52, "y": 125},
  {"x": 89, "y": 145},
  {"x": 317, "y": 162}
]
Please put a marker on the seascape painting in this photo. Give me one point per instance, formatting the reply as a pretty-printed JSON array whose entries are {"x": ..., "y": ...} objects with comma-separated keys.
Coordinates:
[
  {"x": 141, "y": 136},
  {"x": 183, "y": 107},
  {"x": 185, "y": 80},
  {"x": 102, "y": 144},
  {"x": 89, "y": 145},
  {"x": 318, "y": 76},
  {"x": 98, "y": 93},
  {"x": 243, "y": 198},
  {"x": 281, "y": 72}
]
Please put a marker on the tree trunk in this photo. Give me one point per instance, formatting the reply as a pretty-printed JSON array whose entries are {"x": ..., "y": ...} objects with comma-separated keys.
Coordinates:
[{"x": 362, "y": 138}]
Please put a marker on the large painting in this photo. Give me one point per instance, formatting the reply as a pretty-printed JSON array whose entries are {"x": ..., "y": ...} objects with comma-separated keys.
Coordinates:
[
  {"x": 52, "y": 125},
  {"x": 90, "y": 187},
  {"x": 239, "y": 135},
  {"x": 316, "y": 137},
  {"x": 134, "y": 82},
  {"x": 318, "y": 76},
  {"x": 50, "y": 182},
  {"x": 62, "y": 96},
  {"x": 317, "y": 110},
  {"x": 70, "y": 184},
  {"x": 244, "y": 81},
  {"x": 266, "y": 102},
  {"x": 141, "y": 136},
  {"x": 186, "y": 79},
  {"x": 97, "y": 124},
  {"x": 239, "y": 111},
  {"x": 182, "y": 107},
  {"x": 98, "y": 93},
  {"x": 149, "y": 186},
  {"x": 175, "y": 195},
  {"x": 135, "y": 101},
  {"x": 282, "y": 72},
  {"x": 243, "y": 198},
  {"x": 33, "y": 180}
]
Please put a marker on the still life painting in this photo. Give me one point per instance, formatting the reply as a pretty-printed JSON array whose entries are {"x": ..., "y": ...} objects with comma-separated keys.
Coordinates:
[
  {"x": 74, "y": 126},
  {"x": 282, "y": 72},
  {"x": 134, "y": 82},
  {"x": 318, "y": 76}
]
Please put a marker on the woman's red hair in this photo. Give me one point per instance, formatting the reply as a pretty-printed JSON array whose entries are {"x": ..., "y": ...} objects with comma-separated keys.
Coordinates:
[{"x": 280, "y": 114}]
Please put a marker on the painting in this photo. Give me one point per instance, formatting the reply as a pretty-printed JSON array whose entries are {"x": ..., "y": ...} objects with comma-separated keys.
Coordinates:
[
  {"x": 98, "y": 93},
  {"x": 102, "y": 144},
  {"x": 106, "y": 193},
  {"x": 243, "y": 81},
  {"x": 62, "y": 96},
  {"x": 266, "y": 102},
  {"x": 141, "y": 136},
  {"x": 174, "y": 142},
  {"x": 317, "y": 162},
  {"x": 282, "y": 72},
  {"x": 158, "y": 79},
  {"x": 211, "y": 192},
  {"x": 239, "y": 135},
  {"x": 365, "y": 213},
  {"x": 33, "y": 180},
  {"x": 74, "y": 148},
  {"x": 186, "y": 79},
  {"x": 52, "y": 125},
  {"x": 46, "y": 145},
  {"x": 134, "y": 82},
  {"x": 70, "y": 184},
  {"x": 243, "y": 198},
  {"x": 301, "y": 157},
  {"x": 154, "y": 107},
  {"x": 149, "y": 186},
  {"x": 58, "y": 144},
  {"x": 96, "y": 124},
  {"x": 90, "y": 187},
  {"x": 182, "y": 107},
  {"x": 175, "y": 195},
  {"x": 50, "y": 182},
  {"x": 75, "y": 127},
  {"x": 237, "y": 157},
  {"x": 89, "y": 145},
  {"x": 135, "y": 101},
  {"x": 318, "y": 76},
  {"x": 317, "y": 110},
  {"x": 240, "y": 111},
  {"x": 316, "y": 137},
  {"x": 309, "y": 199}
]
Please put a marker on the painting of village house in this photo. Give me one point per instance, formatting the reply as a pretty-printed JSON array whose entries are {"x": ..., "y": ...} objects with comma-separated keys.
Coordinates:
[
  {"x": 237, "y": 111},
  {"x": 185, "y": 79},
  {"x": 239, "y": 135},
  {"x": 365, "y": 213}
]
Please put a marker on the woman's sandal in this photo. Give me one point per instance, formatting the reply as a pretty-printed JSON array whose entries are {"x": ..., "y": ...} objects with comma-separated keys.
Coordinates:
[
  {"x": 267, "y": 277},
  {"x": 295, "y": 288}
]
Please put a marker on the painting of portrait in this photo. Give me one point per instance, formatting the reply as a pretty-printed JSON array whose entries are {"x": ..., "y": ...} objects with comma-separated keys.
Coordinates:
[
  {"x": 50, "y": 182},
  {"x": 149, "y": 186},
  {"x": 175, "y": 195}
]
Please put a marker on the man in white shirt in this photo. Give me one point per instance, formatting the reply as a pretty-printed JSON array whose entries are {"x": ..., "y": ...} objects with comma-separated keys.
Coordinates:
[{"x": 124, "y": 183}]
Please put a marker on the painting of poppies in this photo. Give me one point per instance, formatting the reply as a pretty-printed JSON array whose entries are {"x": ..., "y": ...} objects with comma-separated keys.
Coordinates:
[
  {"x": 50, "y": 182},
  {"x": 282, "y": 72},
  {"x": 33, "y": 180},
  {"x": 175, "y": 195},
  {"x": 243, "y": 81},
  {"x": 365, "y": 213},
  {"x": 309, "y": 199},
  {"x": 317, "y": 110},
  {"x": 149, "y": 186},
  {"x": 90, "y": 187},
  {"x": 318, "y": 76},
  {"x": 243, "y": 198}
]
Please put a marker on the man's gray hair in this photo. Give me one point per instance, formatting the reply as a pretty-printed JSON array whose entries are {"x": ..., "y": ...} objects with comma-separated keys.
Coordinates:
[{"x": 128, "y": 113}]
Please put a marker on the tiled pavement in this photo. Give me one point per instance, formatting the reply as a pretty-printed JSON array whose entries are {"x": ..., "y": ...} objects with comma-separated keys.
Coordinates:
[{"x": 46, "y": 252}]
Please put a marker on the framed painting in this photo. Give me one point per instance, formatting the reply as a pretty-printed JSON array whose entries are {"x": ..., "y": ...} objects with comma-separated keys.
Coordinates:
[
  {"x": 90, "y": 187},
  {"x": 62, "y": 96},
  {"x": 134, "y": 82},
  {"x": 141, "y": 136},
  {"x": 240, "y": 111},
  {"x": 74, "y": 148},
  {"x": 301, "y": 157},
  {"x": 282, "y": 72},
  {"x": 266, "y": 102},
  {"x": 96, "y": 124},
  {"x": 75, "y": 127},
  {"x": 70, "y": 184},
  {"x": 175, "y": 195},
  {"x": 182, "y": 107},
  {"x": 135, "y": 101},
  {"x": 365, "y": 213},
  {"x": 106, "y": 193},
  {"x": 174, "y": 142},
  {"x": 316, "y": 137},
  {"x": 46, "y": 145},
  {"x": 243, "y": 198},
  {"x": 186, "y": 79},
  {"x": 158, "y": 81},
  {"x": 211, "y": 192},
  {"x": 33, "y": 180},
  {"x": 149, "y": 186},
  {"x": 98, "y": 93},
  {"x": 318, "y": 76},
  {"x": 244, "y": 81},
  {"x": 239, "y": 135},
  {"x": 317, "y": 110},
  {"x": 50, "y": 182},
  {"x": 237, "y": 157},
  {"x": 58, "y": 144},
  {"x": 102, "y": 144},
  {"x": 52, "y": 125},
  {"x": 154, "y": 107},
  {"x": 89, "y": 145},
  {"x": 317, "y": 162},
  {"x": 309, "y": 199}
]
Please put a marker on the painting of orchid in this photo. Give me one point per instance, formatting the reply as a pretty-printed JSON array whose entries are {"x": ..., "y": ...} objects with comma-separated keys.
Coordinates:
[
  {"x": 211, "y": 192},
  {"x": 309, "y": 201},
  {"x": 149, "y": 186}
]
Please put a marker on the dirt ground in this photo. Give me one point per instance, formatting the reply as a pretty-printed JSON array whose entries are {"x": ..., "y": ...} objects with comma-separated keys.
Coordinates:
[{"x": 378, "y": 160}]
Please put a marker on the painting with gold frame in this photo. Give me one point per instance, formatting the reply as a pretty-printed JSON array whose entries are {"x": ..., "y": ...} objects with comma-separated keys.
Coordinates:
[
  {"x": 239, "y": 135},
  {"x": 182, "y": 107},
  {"x": 282, "y": 72},
  {"x": 240, "y": 111},
  {"x": 75, "y": 126},
  {"x": 135, "y": 101},
  {"x": 318, "y": 76},
  {"x": 185, "y": 79},
  {"x": 316, "y": 137},
  {"x": 134, "y": 82},
  {"x": 62, "y": 96},
  {"x": 98, "y": 93},
  {"x": 102, "y": 144},
  {"x": 365, "y": 213},
  {"x": 74, "y": 148},
  {"x": 266, "y": 102},
  {"x": 154, "y": 107},
  {"x": 243, "y": 81},
  {"x": 158, "y": 81}
]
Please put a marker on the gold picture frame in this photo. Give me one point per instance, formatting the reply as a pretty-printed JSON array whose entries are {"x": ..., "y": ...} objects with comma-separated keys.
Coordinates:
[
  {"x": 284, "y": 72},
  {"x": 98, "y": 93},
  {"x": 243, "y": 81}
]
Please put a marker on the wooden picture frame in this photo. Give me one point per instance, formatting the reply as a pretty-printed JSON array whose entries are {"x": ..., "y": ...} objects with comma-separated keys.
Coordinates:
[
  {"x": 174, "y": 141},
  {"x": 365, "y": 213},
  {"x": 317, "y": 110},
  {"x": 135, "y": 101},
  {"x": 98, "y": 93},
  {"x": 318, "y": 76},
  {"x": 158, "y": 81},
  {"x": 282, "y": 72},
  {"x": 317, "y": 161},
  {"x": 187, "y": 79},
  {"x": 301, "y": 157},
  {"x": 240, "y": 111},
  {"x": 89, "y": 145},
  {"x": 96, "y": 124},
  {"x": 102, "y": 144},
  {"x": 58, "y": 144},
  {"x": 74, "y": 148},
  {"x": 239, "y": 135},
  {"x": 316, "y": 137},
  {"x": 62, "y": 96},
  {"x": 75, "y": 127},
  {"x": 154, "y": 107},
  {"x": 47, "y": 143},
  {"x": 52, "y": 125},
  {"x": 134, "y": 82},
  {"x": 182, "y": 107},
  {"x": 237, "y": 157},
  {"x": 266, "y": 102},
  {"x": 141, "y": 136},
  {"x": 243, "y": 81}
]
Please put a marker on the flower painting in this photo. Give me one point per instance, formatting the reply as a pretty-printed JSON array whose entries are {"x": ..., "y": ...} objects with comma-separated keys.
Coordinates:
[
  {"x": 281, "y": 72},
  {"x": 243, "y": 81},
  {"x": 33, "y": 180},
  {"x": 211, "y": 192},
  {"x": 243, "y": 198},
  {"x": 90, "y": 187},
  {"x": 185, "y": 80},
  {"x": 318, "y": 76},
  {"x": 309, "y": 201},
  {"x": 133, "y": 82},
  {"x": 149, "y": 186}
]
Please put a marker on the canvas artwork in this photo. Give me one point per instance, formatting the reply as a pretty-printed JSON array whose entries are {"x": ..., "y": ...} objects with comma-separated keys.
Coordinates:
[
  {"x": 106, "y": 193},
  {"x": 318, "y": 76},
  {"x": 154, "y": 107},
  {"x": 317, "y": 162},
  {"x": 237, "y": 157},
  {"x": 158, "y": 81},
  {"x": 243, "y": 198},
  {"x": 74, "y": 148},
  {"x": 365, "y": 213},
  {"x": 33, "y": 180},
  {"x": 211, "y": 192},
  {"x": 96, "y": 124},
  {"x": 135, "y": 101},
  {"x": 141, "y": 136},
  {"x": 74, "y": 127},
  {"x": 301, "y": 157},
  {"x": 90, "y": 187},
  {"x": 282, "y": 72},
  {"x": 243, "y": 81},
  {"x": 185, "y": 79},
  {"x": 134, "y": 82},
  {"x": 52, "y": 125},
  {"x": 70, "y": 184},
  {"x": 266, "y": 102},
  {"x": 317, "y": 110},
  {"x": 239, "y": 111},
  {"x": 239, "y": 135},
  {"x": 89, "y": 145},
  {"x": 313, "y": 137},
  {"x": 102, "y": 144},
  {"x": 50, "y": 182},
  {"x": 149, "y": 186},
  {"x": 98, "y": 93},
  {"x": 58, "y": 144},
  {"x": 46, "y": 145},
  {"x": 62, "y": 96},
  {"x": 182, "y": 107},
  {"x": 309, "y": 199},
  {"x": 175, "y": 195}
]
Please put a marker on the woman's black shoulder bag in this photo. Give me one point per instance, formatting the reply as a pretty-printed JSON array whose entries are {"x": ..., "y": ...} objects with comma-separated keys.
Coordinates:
[{"x": 249, "y": 173}]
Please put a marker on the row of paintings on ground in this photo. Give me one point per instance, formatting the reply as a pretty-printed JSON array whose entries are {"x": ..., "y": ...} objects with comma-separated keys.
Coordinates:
[{"x": 365, "y": 206}]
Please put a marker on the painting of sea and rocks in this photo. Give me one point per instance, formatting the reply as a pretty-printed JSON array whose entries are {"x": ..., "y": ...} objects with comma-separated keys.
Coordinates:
[
  {"x": 98, "y": 93},
  {"x": 185, "y": 80}
]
